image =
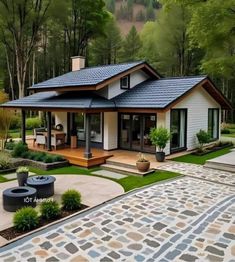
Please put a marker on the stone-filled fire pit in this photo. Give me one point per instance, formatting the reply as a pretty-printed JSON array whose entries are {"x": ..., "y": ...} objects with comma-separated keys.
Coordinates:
[
  {"x": 17, "y": 197},
  {"x": 43, "y": 184}
]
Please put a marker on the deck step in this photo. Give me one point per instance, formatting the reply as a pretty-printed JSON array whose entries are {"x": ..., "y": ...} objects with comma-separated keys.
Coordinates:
[
  {"x": 119, "y": 164},
  {"x": 126, "y": 170},
  {"x": 220, "y": 166}
]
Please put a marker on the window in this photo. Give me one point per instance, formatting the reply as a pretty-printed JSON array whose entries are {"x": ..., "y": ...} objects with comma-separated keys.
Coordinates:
[
  {"x": 125, "y": 82},
  {"x": 213, "y": 123}
]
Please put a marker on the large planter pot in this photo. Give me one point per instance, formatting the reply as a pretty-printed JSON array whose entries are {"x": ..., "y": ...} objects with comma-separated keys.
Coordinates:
[
  {"x": 160, "y": 156},
  {"x": 143, "y": 166},
  {"x": 22, "y": 178}
]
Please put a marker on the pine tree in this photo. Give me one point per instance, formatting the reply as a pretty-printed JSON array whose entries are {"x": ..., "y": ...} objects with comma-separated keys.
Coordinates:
[{"x": 132, "y": 45}]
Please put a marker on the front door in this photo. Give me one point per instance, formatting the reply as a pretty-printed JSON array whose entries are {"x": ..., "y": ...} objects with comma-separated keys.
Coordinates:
[
  {"x": 134, "y": 132},
  {"x": 178, "y": 129}
]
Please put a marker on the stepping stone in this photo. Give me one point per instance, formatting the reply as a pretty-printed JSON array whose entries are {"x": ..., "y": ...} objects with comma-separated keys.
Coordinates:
[
  {"x": 14, "y": 176},
  {"x": 109, "y": 174}
]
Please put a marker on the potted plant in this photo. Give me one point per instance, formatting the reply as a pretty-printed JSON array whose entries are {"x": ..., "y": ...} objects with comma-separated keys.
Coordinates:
[
  {"x": 22, "y": 175},
  {"x": 159, "y": 137},
  {"x": 142, "y": 163}
]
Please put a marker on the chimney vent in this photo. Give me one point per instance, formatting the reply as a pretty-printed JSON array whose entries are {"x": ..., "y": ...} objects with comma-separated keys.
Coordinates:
[{"x": 78, "y": 62}]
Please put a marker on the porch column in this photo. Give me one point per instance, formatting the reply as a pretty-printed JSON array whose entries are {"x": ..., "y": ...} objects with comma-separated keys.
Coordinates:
[
  {"x": 23, "y": 128},
  {"x": 87, "y": 153},
  {"x": 68, "y": 128},
  {"x": 49, "y": 131}
]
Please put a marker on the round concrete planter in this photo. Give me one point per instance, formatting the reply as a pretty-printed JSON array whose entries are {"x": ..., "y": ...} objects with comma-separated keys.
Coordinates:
[
  {"x": 143, "y": 166},
  {"x": 22, "y": 178},
  {"x": 160, "y": 156}
]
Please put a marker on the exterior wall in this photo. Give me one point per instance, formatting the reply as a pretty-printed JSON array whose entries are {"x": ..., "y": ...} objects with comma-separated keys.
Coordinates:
[
  {"x": 197, "y": 104},
  {"x": 110, "y": 130},
  {"x": 61, "y": 118},
  {"x": 135, "y": 79}
]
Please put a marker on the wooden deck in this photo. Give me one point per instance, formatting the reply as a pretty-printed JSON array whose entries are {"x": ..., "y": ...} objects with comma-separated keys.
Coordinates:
[{"x": 75, "y": 156}]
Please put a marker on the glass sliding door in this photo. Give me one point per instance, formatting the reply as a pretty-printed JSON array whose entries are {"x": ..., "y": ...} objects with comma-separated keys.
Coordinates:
[
  {"x": 178, "y": 129},
  {"x": 134, "y": 132},
  {"x": 149, "y": 121},
  {"x": 213, "y": 123},
  {"x": 125, "y": 128}
]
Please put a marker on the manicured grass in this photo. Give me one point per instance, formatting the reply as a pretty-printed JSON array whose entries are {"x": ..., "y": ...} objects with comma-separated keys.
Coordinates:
[
  {"x": 3, "y": 179},
  {"x": 128, "y": 183},
  {"x": 201, "y": 159},
  {"x": 229, "y": 135},
  {"x": 16, "y": 133}
]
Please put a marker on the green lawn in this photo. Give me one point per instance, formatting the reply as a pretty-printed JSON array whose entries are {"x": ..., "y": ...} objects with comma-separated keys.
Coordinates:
[
  {"x": 201, "y": 159},
  {"x": 128, "y": 183},
  {"x": 16, "y": 133}
]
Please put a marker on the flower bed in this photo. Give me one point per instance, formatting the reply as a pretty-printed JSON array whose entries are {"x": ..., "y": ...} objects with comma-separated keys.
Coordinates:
[
  {"x": 11, "y": 233},
  {"x": 213, "y": 148}
]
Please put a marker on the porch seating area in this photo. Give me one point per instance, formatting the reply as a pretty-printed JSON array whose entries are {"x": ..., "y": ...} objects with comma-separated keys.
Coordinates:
[{"x": 75, "y": 156}]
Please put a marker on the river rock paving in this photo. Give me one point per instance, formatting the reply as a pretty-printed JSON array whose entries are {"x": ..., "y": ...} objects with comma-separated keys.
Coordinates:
[
  {"x": 201, "y": 172},
  {"x": 185, "y": 219}
]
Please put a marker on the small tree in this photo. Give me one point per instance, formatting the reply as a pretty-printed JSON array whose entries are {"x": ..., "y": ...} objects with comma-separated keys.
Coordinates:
[
  {"x": 203, "y": 138},
  {"x": 5, "y": 120},
  {"x": 159, "y": 137}
]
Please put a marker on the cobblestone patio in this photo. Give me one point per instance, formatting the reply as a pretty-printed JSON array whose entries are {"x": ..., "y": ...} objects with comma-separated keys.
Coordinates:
[
  {"x": 199, "y": 171},
  {"x": 181, "y": 220}
]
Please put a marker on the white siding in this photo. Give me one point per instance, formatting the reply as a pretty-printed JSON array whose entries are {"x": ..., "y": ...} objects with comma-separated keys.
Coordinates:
[
  {"x": 135, "y": 79},
  {"x": 197, "y": 104},
  {"x": 110, "y": 130}
]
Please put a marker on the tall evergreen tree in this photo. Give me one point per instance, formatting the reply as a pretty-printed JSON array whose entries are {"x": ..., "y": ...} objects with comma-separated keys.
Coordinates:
[
  {"x": 131, "y": 45},
  {"x": 107, "y": 49}
]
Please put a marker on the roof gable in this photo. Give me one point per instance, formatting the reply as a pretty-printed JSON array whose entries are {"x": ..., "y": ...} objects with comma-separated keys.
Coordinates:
[{"x": 92, "y": 78}]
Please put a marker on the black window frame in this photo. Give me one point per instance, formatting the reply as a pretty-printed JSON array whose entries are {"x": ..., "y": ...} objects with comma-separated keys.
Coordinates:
[
  {"x": 212, "y": 123},
  {"x": 128, "y": 82}
]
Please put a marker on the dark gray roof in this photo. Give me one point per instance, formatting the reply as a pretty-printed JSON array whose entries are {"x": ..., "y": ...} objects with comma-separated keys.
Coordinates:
[
  {"x": 87, "y": 76},
  {"x": 156, "y": 93},
  {"x": 81, "y": 100}
]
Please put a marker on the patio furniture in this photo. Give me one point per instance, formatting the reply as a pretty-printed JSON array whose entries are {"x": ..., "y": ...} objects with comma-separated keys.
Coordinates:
[
  {"x": 39, "y": 138},
  {"x": 43, "y": 184},
  {"x": 17, "y": 197},
  {"x": 57, "y": 138}
]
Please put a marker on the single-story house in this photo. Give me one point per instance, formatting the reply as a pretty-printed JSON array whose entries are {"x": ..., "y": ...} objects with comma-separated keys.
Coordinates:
[{"x": 115, "y": 106}]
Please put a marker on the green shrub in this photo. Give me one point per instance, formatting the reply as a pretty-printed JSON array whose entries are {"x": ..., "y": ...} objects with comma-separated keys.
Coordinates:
[
  {"x": 10, "y": 145},
  {"x": 225, "y": 131},
  {"x": 159, "y": 137},
  {"x": 39, "y": 156},
  {"x": 57, "y": 158},
  {"x": 203, "y": 138},
  {"x": 50, "y": 209},
  {"x": 19, "y": 149},
  {"x": 25, "y": 219},
  {"x": 33, "y": 122},
  {"x": 15, "y": 122},
  {"x": 71, "y": 200},
  {"x": 5, "y": 161},
  {"x": 48, "y": 159}
]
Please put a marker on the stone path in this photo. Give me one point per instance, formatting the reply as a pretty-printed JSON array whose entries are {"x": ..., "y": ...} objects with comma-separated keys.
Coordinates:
[
  {"x": 199, "y": 171},
  {"x": 186, "y": 219},
  {"x": 109, "y": 174}
]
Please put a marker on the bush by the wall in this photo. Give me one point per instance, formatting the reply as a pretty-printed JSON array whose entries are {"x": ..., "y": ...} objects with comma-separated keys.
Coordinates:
[
  {"x": 25, "y": 219},
  {"x": 50, "y": 209},
  {"x": 71, "y": 200},
  {"x": 10, "y": 145},
  {"x": 33, "y": 122},
  {"x": 19, "y": 149}
]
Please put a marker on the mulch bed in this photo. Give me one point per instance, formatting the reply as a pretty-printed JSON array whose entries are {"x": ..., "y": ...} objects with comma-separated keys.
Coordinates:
[
  {"x": 211, "y": 149},
  {"x": 11, "y": 233}
]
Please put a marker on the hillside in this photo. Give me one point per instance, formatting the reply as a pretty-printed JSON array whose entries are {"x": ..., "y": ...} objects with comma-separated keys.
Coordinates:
[{"x": 133, "y": 12}]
